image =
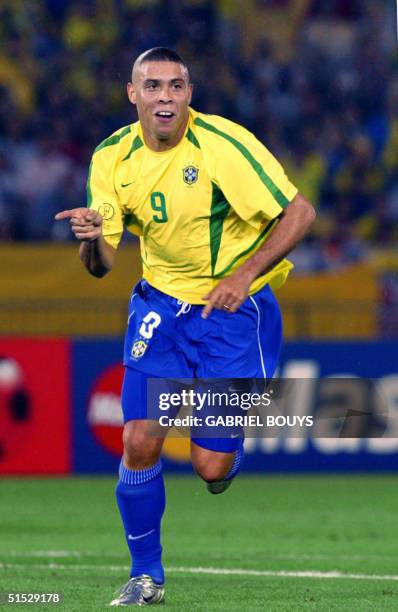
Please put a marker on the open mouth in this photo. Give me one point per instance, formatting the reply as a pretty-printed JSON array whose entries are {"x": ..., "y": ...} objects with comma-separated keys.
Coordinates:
[{"x": 165, "y": 116}]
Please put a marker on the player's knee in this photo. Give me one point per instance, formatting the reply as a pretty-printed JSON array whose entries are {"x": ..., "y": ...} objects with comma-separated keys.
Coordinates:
[
  {"x": 211, "y": 469},
  {"x": 139, "y": 449}
]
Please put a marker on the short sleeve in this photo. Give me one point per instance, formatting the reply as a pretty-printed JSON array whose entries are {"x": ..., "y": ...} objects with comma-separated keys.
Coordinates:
[
  {"x": 102, "y": 197},
  {"x": 252, "y": 180}
]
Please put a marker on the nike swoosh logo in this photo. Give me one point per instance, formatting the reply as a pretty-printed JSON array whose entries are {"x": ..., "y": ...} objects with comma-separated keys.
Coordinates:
[
  {"x": 127, "y": 184},
  {"x": 130, "y": 537}
]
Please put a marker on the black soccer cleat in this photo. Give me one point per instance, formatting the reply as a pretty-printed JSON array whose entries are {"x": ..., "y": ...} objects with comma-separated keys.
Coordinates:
[{"x": 218, "y": 486}]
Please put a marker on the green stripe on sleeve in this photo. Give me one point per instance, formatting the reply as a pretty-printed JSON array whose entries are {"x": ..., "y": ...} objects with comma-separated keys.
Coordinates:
[
  {"x": 257, "y": 167},
  {"x": 219, "y": 210},
  {"x": 108, "y": 142},
  {"x": 246, "y": 251},
  {"x": 88, "y": 186},
  {"x": 112, "y": 140},
  {"x": 131, "y": 222}
]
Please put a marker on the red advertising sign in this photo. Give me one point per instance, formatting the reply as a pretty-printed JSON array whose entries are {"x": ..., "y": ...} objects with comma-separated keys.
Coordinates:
[
  {"x": 105, "y": 417},
  {"x": 104, "y": 410},
  {"x": 35, "y": 431}
]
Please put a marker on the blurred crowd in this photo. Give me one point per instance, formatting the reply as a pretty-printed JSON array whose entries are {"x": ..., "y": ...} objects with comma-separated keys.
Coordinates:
[{"x": 315, "y": 80}]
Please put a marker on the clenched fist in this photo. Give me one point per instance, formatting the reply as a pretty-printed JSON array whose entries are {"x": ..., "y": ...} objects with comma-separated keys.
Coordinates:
[{"x": 86, "y": 224}]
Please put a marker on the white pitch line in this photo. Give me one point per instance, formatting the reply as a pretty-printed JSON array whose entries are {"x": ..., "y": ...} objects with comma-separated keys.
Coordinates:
[
  {"x": 280, "y": 573},
  {"x": 326, "y": 557},
  {"x": 52, "y": 554},
  {"x": 60, "y": 566},
  {"x": 72, "y": 554},
  {"x": 210, "y": 570}
]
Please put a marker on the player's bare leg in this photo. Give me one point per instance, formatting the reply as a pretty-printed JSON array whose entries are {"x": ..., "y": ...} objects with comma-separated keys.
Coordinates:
[
  {"x": 216, "y": 468},
  {"x": 141, "y": 500},
  {"x": 140, "y": 448}
]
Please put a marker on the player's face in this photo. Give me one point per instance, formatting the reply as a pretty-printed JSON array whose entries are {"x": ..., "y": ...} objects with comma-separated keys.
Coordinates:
[{"x": 162, "y": 93}]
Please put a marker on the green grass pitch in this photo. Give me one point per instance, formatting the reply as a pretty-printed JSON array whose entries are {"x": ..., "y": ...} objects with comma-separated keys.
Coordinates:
[{"x": 64, "y": 535}]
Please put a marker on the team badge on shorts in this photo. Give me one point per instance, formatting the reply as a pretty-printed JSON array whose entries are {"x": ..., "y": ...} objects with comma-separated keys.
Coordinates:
[
  {"x": 139, "y": 348},
  {"x": 190, "y": 174}
]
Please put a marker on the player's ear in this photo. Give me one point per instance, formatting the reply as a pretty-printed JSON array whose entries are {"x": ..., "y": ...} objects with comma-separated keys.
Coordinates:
[{"x": 131, "y": 93}]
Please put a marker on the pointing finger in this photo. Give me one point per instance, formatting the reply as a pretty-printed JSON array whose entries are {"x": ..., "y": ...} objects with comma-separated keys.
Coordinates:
[
  {"x": 65, "y": 214},
  {"x": 68, "y": 214}
]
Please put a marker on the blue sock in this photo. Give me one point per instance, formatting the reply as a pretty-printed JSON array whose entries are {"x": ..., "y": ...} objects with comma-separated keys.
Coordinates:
[
  {"x": 235, "y": 467},
  {"x": 141, "y": 499}
]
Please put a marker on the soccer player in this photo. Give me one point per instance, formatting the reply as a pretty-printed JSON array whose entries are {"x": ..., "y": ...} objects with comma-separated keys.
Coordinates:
[{"x": 216, "y": 216}]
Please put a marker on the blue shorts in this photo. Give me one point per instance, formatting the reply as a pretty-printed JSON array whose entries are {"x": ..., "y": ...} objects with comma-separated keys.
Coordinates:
[{"x": 168, "y": 338}]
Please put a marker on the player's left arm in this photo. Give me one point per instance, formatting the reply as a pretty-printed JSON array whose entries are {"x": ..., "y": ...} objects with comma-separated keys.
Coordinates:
[{"x": 293, "y": 224}]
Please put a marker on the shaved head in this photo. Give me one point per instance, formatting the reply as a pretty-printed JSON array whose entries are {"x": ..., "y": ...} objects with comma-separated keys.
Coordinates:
[{"x": 158, "y": 54}]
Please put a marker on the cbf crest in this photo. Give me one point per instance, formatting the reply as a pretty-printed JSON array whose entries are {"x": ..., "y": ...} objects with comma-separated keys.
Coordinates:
[
  {"x": 190, "y": 174},
  {"x": 139, "y": 348}
]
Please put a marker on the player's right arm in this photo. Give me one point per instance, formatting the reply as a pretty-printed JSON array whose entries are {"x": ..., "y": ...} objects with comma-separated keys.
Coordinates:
[
  {"x": 96, "y": 254},
  {"x": 99, "y": 227}
]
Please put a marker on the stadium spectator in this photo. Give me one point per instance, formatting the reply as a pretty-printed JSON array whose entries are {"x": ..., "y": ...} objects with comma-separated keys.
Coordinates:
[{"x": 324, "y": 67}]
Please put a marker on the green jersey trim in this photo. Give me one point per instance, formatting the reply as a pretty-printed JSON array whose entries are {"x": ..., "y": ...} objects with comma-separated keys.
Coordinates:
[
  {"x": 219, "y": 210},
  {"x": 257, "y": 167},
  {"x": 259, "y": 238},
  {"x": 130, "y": 219},
  {"x": 112, "y": 140},
  {"x": 137, "y": 144},
  {"x": 192, "y": 138}
]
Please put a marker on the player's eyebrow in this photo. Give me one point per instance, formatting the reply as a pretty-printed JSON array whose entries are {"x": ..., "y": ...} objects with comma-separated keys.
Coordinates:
[{"x": 158, "y": 81}]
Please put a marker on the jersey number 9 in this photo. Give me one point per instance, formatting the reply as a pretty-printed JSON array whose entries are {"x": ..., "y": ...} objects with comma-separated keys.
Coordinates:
[{"x": 158, "y": 203}]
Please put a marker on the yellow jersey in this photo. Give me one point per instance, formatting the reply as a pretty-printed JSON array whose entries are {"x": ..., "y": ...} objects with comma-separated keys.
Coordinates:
[{"x": 200, "y": 209}]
